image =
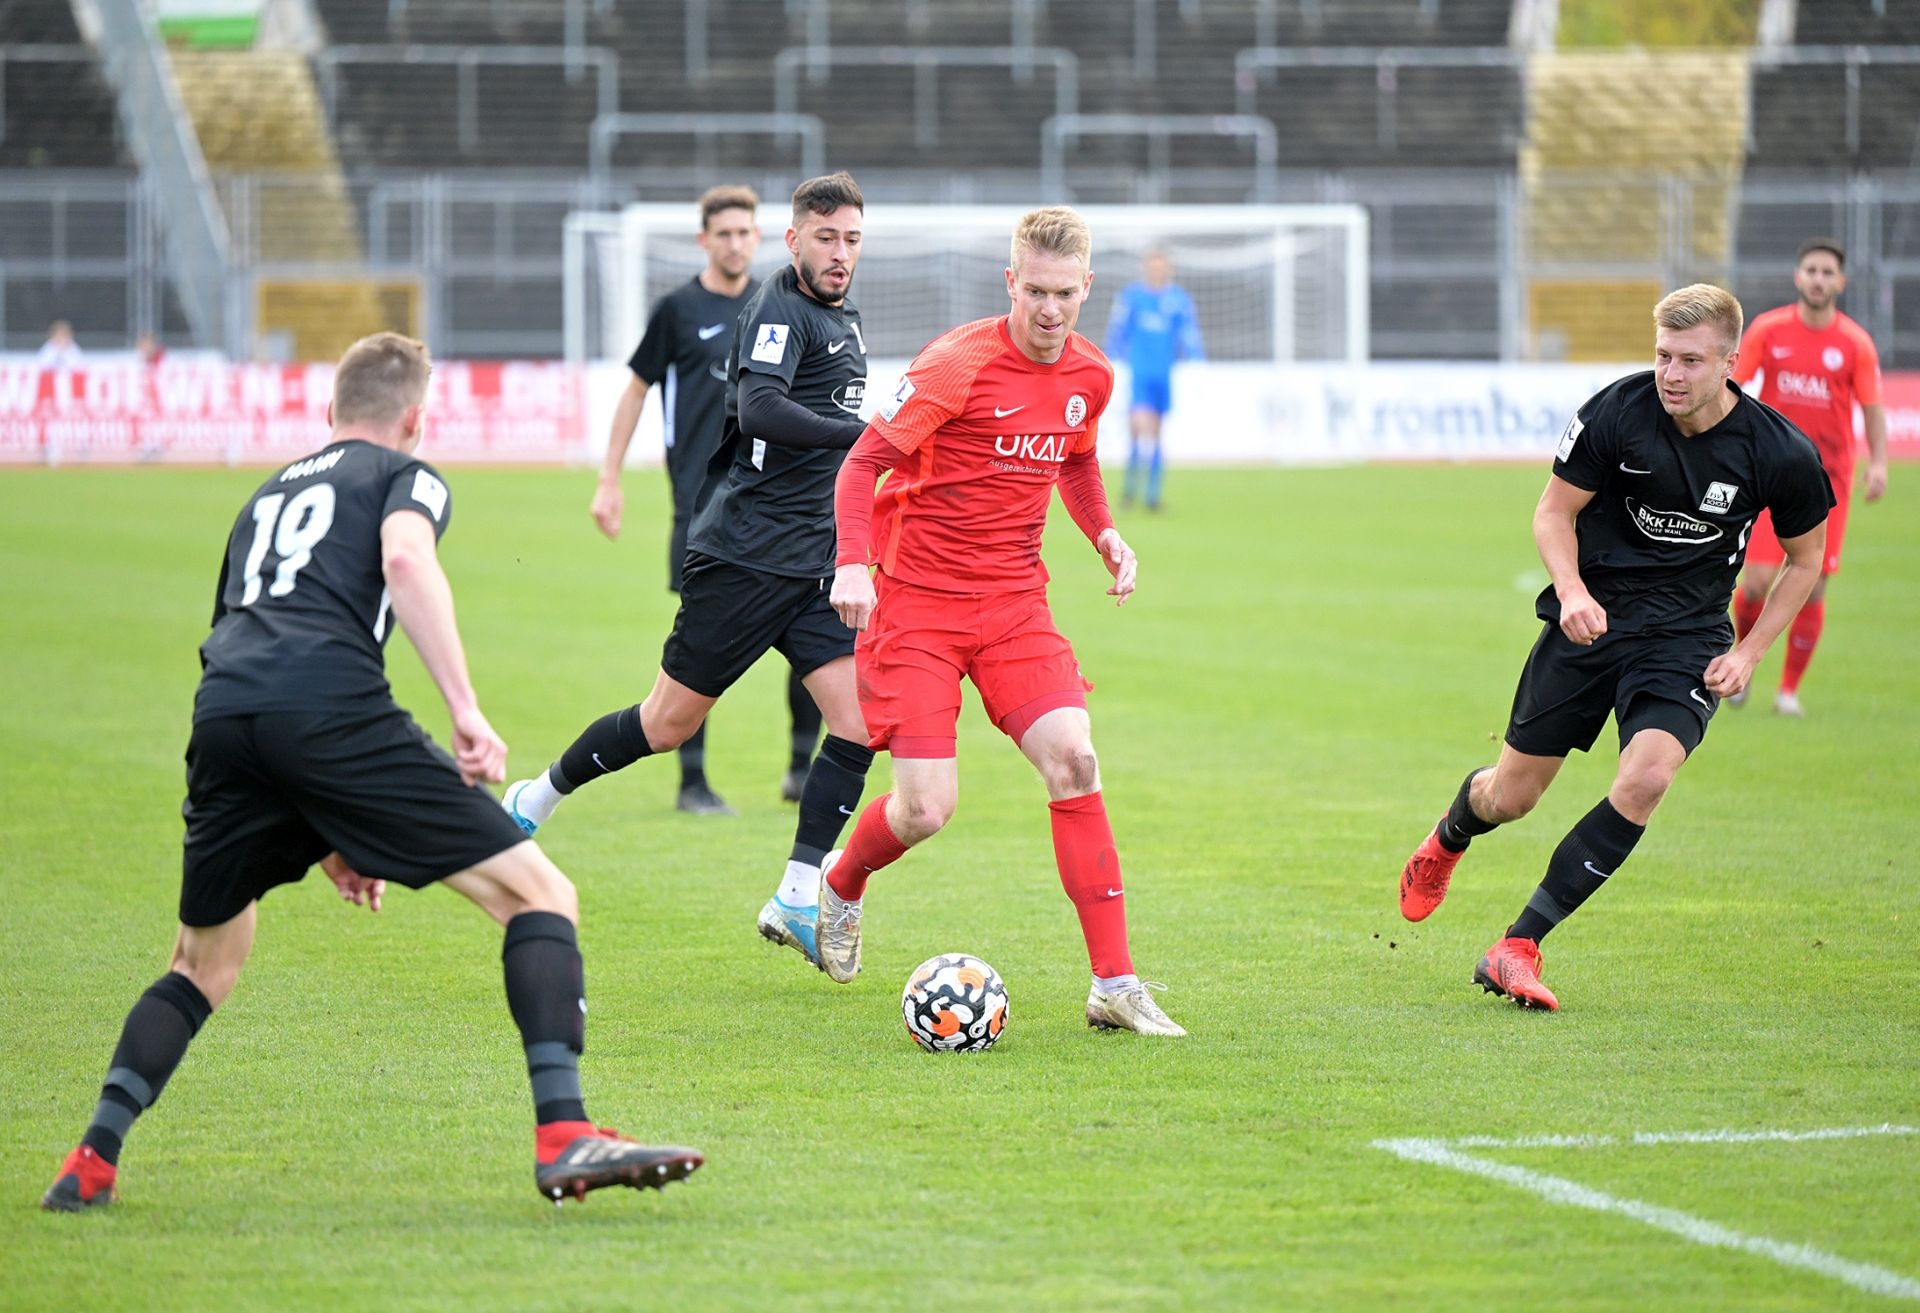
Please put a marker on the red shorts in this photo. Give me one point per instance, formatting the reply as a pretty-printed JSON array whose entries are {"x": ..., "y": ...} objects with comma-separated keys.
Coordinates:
[
  {"x": 920, "y": 642},
  {"x": 1763, "y": 548}
]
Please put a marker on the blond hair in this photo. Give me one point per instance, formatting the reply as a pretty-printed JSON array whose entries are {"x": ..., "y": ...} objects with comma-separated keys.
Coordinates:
[
  {"x": 716, "y": 199},
  {"x": 379, "y": 378},
  {"x": 1055, "y": 230},
  {"x": 1701, "y": 303}
]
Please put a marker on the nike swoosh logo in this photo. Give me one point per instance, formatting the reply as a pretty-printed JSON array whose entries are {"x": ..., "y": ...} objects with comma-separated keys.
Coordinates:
[
  {"x": 846, "y": 811},
  {"x": 1628, "y": 469},
  {"x": 1115, "y": 893},
  {"x": 1596, "y": 870},
  {"x": 1010, "y": 410},
  {"x": 601, "y": 764},
  {"x": 707, "y": 333},
  {"x": 1694, "y": 693},
  {"x": 835, "y": 349}
]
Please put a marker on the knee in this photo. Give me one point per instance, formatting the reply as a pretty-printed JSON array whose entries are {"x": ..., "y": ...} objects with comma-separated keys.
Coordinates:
[
  {"x": 920, "y": 816},
  {"x": 1509, "y": 800},
  {"x": 1639, "y": 789},
  {"x": 1073, "y": 772}
]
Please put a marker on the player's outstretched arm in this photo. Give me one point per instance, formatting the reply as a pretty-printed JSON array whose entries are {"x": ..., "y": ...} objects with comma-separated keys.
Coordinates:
[
  {"x": 1581, "y": 618},
  {"x": 853, "y": 596},
  {"x": 608, "y": 500},
  {"x": 423, "y": 604},
  {"x": 1728, "y": 673},
  {"x": 769, "y": 415}
]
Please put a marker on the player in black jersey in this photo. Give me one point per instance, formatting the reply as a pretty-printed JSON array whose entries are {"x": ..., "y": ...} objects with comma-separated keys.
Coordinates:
[
  {"x": 299, "y": 756},
  {"x": 684, "y": 353},
  {"x": 1643, "y": 528},
  {"x": 760, "y": 551}
]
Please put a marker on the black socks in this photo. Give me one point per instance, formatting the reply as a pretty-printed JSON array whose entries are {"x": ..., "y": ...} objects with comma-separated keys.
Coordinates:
[
  {"x": 546, "y": 992},
  {"x": 1460, "y": 825},
  {"x": 834, "y": 784},
  {"x": 152, "y": 1042},
  {"x": 613, "y": 742},
  {"x": 806, "y": 721},
  {"x": 693, "y": 759},
  {"x": 1593, "y": 850}
]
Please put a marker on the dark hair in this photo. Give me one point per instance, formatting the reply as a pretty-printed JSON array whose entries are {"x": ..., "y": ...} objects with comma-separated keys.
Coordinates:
[
  {"x": 1813, "y": 244},
  {"x": 716, "y": 199},
  {"x": 825, "y": 195}
]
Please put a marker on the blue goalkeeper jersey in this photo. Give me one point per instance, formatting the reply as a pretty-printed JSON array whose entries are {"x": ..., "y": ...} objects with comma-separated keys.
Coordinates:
[{"x": 1153, "y": 327}]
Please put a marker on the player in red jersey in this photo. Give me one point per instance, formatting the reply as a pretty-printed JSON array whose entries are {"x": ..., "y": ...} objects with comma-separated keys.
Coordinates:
[
  {"x": 989, "y": 418},
  {"x": 1816, "y": 364}
]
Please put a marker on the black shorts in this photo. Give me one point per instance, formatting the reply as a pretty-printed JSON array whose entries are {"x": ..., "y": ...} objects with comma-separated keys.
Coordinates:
[
  {"x": 270, "y": 794},
  {"x": 1646, "y": 681},
  {"x": 677, "y": 552},
  {"x": 731, "y": 616}
]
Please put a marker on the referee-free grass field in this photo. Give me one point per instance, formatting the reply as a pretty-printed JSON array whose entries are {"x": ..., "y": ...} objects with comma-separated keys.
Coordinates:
[{"x": 1720, "y": 1117}]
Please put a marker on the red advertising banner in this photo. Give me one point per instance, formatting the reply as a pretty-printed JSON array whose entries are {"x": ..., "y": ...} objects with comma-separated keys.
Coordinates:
[
  {"x": 1901, "y": 392},
  {"x": 212, "y": 412}
]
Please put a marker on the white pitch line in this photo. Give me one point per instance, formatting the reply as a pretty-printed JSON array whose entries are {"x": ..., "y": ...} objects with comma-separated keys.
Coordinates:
[
  {"x": 1559, "y": 1190},
  {"x": 1673, "y": 1137}
]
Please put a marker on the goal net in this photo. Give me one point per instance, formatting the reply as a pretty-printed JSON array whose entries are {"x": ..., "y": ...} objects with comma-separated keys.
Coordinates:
[{"x": 1271, "y": 283}]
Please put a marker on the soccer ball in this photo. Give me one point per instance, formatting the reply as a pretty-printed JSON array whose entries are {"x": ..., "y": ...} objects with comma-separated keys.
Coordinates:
[{"x": 954, "y": 1003}]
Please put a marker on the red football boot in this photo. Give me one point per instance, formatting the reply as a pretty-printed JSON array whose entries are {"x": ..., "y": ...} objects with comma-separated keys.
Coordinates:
[
  {"x": 571, "y": 1158},
  {"x": 1512, "y": 967},
  {"x": 1424, "y": 879},
  {"x": 85, "y": 1181}
]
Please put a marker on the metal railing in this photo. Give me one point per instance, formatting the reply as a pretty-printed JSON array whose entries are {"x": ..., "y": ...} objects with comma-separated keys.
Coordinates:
[
  {"x": 155, "y": 123},
  {"x": 806, "y": 128},
  {"x": 1159, "y": 131},
  {"x": 466, "y": 61},
  {"x": 1252, "y": 64},
  {"x": 1851, "y": 59},
  {"x": 925, "y": 61}
]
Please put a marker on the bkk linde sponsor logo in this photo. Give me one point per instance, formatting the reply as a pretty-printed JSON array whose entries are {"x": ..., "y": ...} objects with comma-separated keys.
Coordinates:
[
  {"x": 850, "y": 394},
  {"x": 1671, "y": 526}
]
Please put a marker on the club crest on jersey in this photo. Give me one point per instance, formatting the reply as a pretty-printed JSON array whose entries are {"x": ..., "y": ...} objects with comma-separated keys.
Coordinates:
[
  {"x": 1832, "y": 358},
  {"x": 1670, "y": 526},
  {"x": 1052, "y": 448},
  {"x": 1076, "y": 411},
  {"x": 1719, "y": 498},
  {"x": 850, "y": 394},
  {"x": 770, "y": 343}
]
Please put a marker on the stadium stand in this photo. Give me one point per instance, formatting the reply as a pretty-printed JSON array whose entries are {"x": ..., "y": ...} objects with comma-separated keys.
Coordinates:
[{"x": 57, "y": 111}]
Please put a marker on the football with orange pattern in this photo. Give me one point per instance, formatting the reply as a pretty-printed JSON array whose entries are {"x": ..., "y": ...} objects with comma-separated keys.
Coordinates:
[{"x": 954, "y": 1003}]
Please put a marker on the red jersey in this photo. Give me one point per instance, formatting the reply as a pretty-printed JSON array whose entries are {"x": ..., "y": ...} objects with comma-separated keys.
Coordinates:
[
  {"x": 1813, "y": 377},
  {"x": 982, "y": 434}
]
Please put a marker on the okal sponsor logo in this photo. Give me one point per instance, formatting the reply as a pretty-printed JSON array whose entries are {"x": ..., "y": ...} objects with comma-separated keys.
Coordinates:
[
  {"x": 1052, "y": 447},
  {"x": 1671, "y": 526}
]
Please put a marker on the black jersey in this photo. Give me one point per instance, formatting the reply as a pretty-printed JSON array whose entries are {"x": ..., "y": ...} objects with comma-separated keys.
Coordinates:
[
  {"x": 1662, "y": 541},
  {"x": 301, "y": 614},
  {"x": 765, "y": 506},
  {"x": 684, "y": 354}
]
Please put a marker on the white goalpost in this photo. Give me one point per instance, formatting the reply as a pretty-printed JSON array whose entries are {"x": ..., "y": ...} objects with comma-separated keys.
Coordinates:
[{"x": 1272, "y": 284}]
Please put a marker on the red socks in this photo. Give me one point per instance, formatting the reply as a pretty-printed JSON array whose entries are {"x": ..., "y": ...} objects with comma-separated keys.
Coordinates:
[
  {"x": 1746, "y": 610},
  {"x": 871, "y": 848},
  {"x": 1090, "y": 872},
  {"x": 1802, "y": 637}
]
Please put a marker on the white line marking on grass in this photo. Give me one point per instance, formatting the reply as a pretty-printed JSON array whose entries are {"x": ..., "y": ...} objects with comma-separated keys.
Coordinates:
[{"x": 1559, "y": 1190}]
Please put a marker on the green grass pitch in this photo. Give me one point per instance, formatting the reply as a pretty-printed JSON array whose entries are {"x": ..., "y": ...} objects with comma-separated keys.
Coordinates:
[{"x": 1313, "y": 661}]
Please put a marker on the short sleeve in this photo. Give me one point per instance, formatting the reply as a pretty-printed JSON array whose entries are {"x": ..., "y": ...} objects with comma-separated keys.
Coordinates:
[
  {"x": 773, "y": 341},
  {"x": 1801, "y": 494},
  {"x": 1866, "y": 371},
  {"x": 1587, "y": 443},
  {"x": 1753, "y": 353},
  {"x": 932, "y": 392},
  {"x": 654, "y": 355},
  {"x": 416, "y": 486}
]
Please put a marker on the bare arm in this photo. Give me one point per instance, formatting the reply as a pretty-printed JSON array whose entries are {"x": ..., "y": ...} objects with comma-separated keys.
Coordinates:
[
  {"x": 1876, "y": 417},
  {"x": 1728, "y": 674},
  {"x": 423, "y": 604},
  {"x": 608, "y": 500},
  {"x": 1581, "y": 618}
]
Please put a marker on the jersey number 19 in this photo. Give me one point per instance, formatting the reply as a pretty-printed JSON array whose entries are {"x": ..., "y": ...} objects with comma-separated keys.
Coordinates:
[{"x": 293, "y": 535}]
